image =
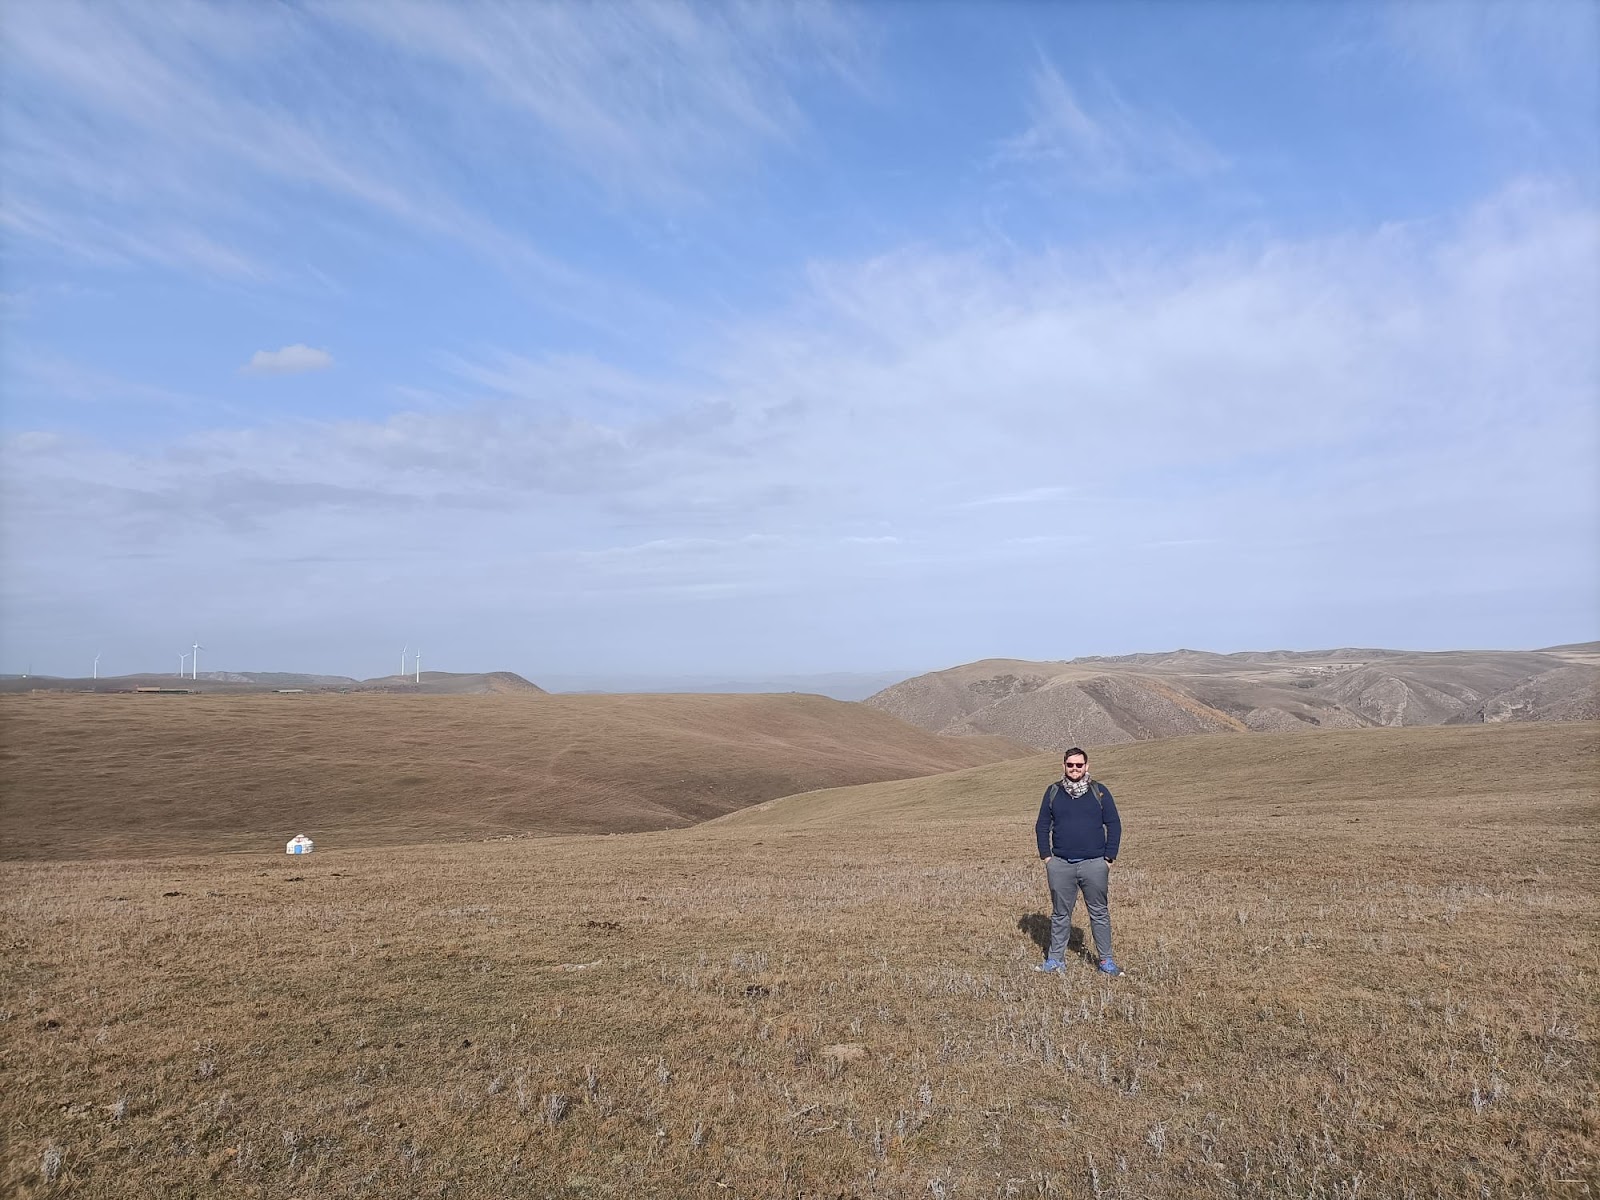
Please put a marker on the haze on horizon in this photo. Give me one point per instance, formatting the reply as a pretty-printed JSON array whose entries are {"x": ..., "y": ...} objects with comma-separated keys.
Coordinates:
[{"x": 675, "y": 339}]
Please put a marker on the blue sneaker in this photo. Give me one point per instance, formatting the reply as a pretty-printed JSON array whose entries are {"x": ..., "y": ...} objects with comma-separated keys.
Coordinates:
[
  {"x": 1051, "y": 966},
  {"x": 1108, "y": 967}
]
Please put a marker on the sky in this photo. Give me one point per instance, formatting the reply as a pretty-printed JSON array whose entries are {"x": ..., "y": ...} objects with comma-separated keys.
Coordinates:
[{"x": 721, "y": 339}]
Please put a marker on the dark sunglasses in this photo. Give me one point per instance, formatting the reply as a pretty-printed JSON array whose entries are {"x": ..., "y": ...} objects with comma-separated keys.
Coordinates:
[{"x": 1071, "y": 765}]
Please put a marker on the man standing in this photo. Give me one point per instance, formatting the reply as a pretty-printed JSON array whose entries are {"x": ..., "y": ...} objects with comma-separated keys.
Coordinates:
[{"x": 1079, "y": 834}]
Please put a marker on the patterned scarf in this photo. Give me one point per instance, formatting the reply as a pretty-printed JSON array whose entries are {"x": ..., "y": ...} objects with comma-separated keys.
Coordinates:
[{"x": 1075, "y": 789}]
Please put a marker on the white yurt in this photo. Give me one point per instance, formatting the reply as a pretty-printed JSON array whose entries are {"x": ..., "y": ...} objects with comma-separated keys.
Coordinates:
[{"x": 299, "y": 844}]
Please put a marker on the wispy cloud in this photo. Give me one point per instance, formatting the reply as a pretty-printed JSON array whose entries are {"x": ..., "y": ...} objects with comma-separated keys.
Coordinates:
[
  {"x": 1049, "y": 539},
  {"x": 1108, "y": 142},
  {"x": 291, "y": 360},
  {"x": 1380, "y": 406},
  {"x": 191, "y": 136},
  {"x": 642, "y": 98},
  {"x": 1060, "y": 397},
  {"x": 106, "y": 242},
  {"x": 672, "y": 548},
  {"x": 1477, "y": 44},
  {"x": 566, "y": 382},
  {"x": 1026, "y": 496},
  {"x": 655, "y": 299},
  {"x": 1528, "y": 73},
  {"x": 49, "y": 388}
]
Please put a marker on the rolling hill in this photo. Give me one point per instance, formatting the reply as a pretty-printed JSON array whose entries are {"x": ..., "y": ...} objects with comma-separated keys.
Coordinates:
[
  {"x": 1104, "y": 701},
  {"x": 1342, "y": 772},
  {"x": 126, "y": 775}
]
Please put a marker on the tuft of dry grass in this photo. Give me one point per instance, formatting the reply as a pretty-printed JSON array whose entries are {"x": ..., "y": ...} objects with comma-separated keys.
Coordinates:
[{"x": 1360, "y": 964}]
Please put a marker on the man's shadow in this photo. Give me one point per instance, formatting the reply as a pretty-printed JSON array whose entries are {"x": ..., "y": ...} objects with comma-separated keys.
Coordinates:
[{"x": 1037, "y": 927}]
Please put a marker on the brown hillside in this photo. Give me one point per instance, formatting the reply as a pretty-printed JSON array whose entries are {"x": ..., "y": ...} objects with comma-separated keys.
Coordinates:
[
  {"x": 1565, "y": 694},
  {"x": 1141, "y": 697},
  {"x": 134, "y": 775},
  {"x": 1102, "y": 710}
]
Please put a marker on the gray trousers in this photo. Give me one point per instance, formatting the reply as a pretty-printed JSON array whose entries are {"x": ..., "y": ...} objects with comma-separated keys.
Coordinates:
[{"x": 1094, "y": 877}]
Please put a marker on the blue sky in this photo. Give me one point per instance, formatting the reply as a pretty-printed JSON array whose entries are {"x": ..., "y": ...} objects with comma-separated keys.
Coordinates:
[{"x": 700, "y": 339}]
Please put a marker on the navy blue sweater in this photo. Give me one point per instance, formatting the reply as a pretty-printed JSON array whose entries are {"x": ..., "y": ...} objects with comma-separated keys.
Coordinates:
[{"x": 1083, "y": 828}]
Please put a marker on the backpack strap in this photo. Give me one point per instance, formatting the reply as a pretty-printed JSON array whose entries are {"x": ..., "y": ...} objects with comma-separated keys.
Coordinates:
[{"x": 1100, "y": 796}]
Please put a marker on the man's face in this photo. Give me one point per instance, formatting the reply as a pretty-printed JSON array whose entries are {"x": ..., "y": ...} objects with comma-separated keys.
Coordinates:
[{"x": 1075, "y": 766}]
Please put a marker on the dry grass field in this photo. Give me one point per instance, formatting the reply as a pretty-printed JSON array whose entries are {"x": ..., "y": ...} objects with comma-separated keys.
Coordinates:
[
  {"x": 1361, "y": 964},
  {"x": 85, "y": 775}
]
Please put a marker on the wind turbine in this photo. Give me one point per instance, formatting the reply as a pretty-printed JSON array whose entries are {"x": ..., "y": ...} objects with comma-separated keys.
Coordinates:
[
  {"x": 96, "y": 667},
  {"x": 419, "y": 664},
  {"x": 182, "y": 658},
  {"x": 194, "y": 666},
  {"x": 403, "y": 650}
]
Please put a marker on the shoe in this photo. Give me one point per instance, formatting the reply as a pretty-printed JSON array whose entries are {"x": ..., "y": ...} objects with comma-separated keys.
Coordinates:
[
  {"x": 1051, "y": 966},
  {"x": 1108, "y": 967}
]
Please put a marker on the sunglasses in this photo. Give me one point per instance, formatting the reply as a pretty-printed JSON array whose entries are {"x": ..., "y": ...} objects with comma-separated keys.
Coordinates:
[{"x": 1075, "y": 766}]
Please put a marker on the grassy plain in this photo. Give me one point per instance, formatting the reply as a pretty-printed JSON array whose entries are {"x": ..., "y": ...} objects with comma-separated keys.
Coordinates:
[{"x": 1360, "y": 964}]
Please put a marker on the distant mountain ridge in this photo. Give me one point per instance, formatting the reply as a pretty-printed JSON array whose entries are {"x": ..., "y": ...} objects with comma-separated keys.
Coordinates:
[
  {"x": 839, "y": 685},
  {"x": 436, "y": 683},
  {"x": 1102, "y": 700}
]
